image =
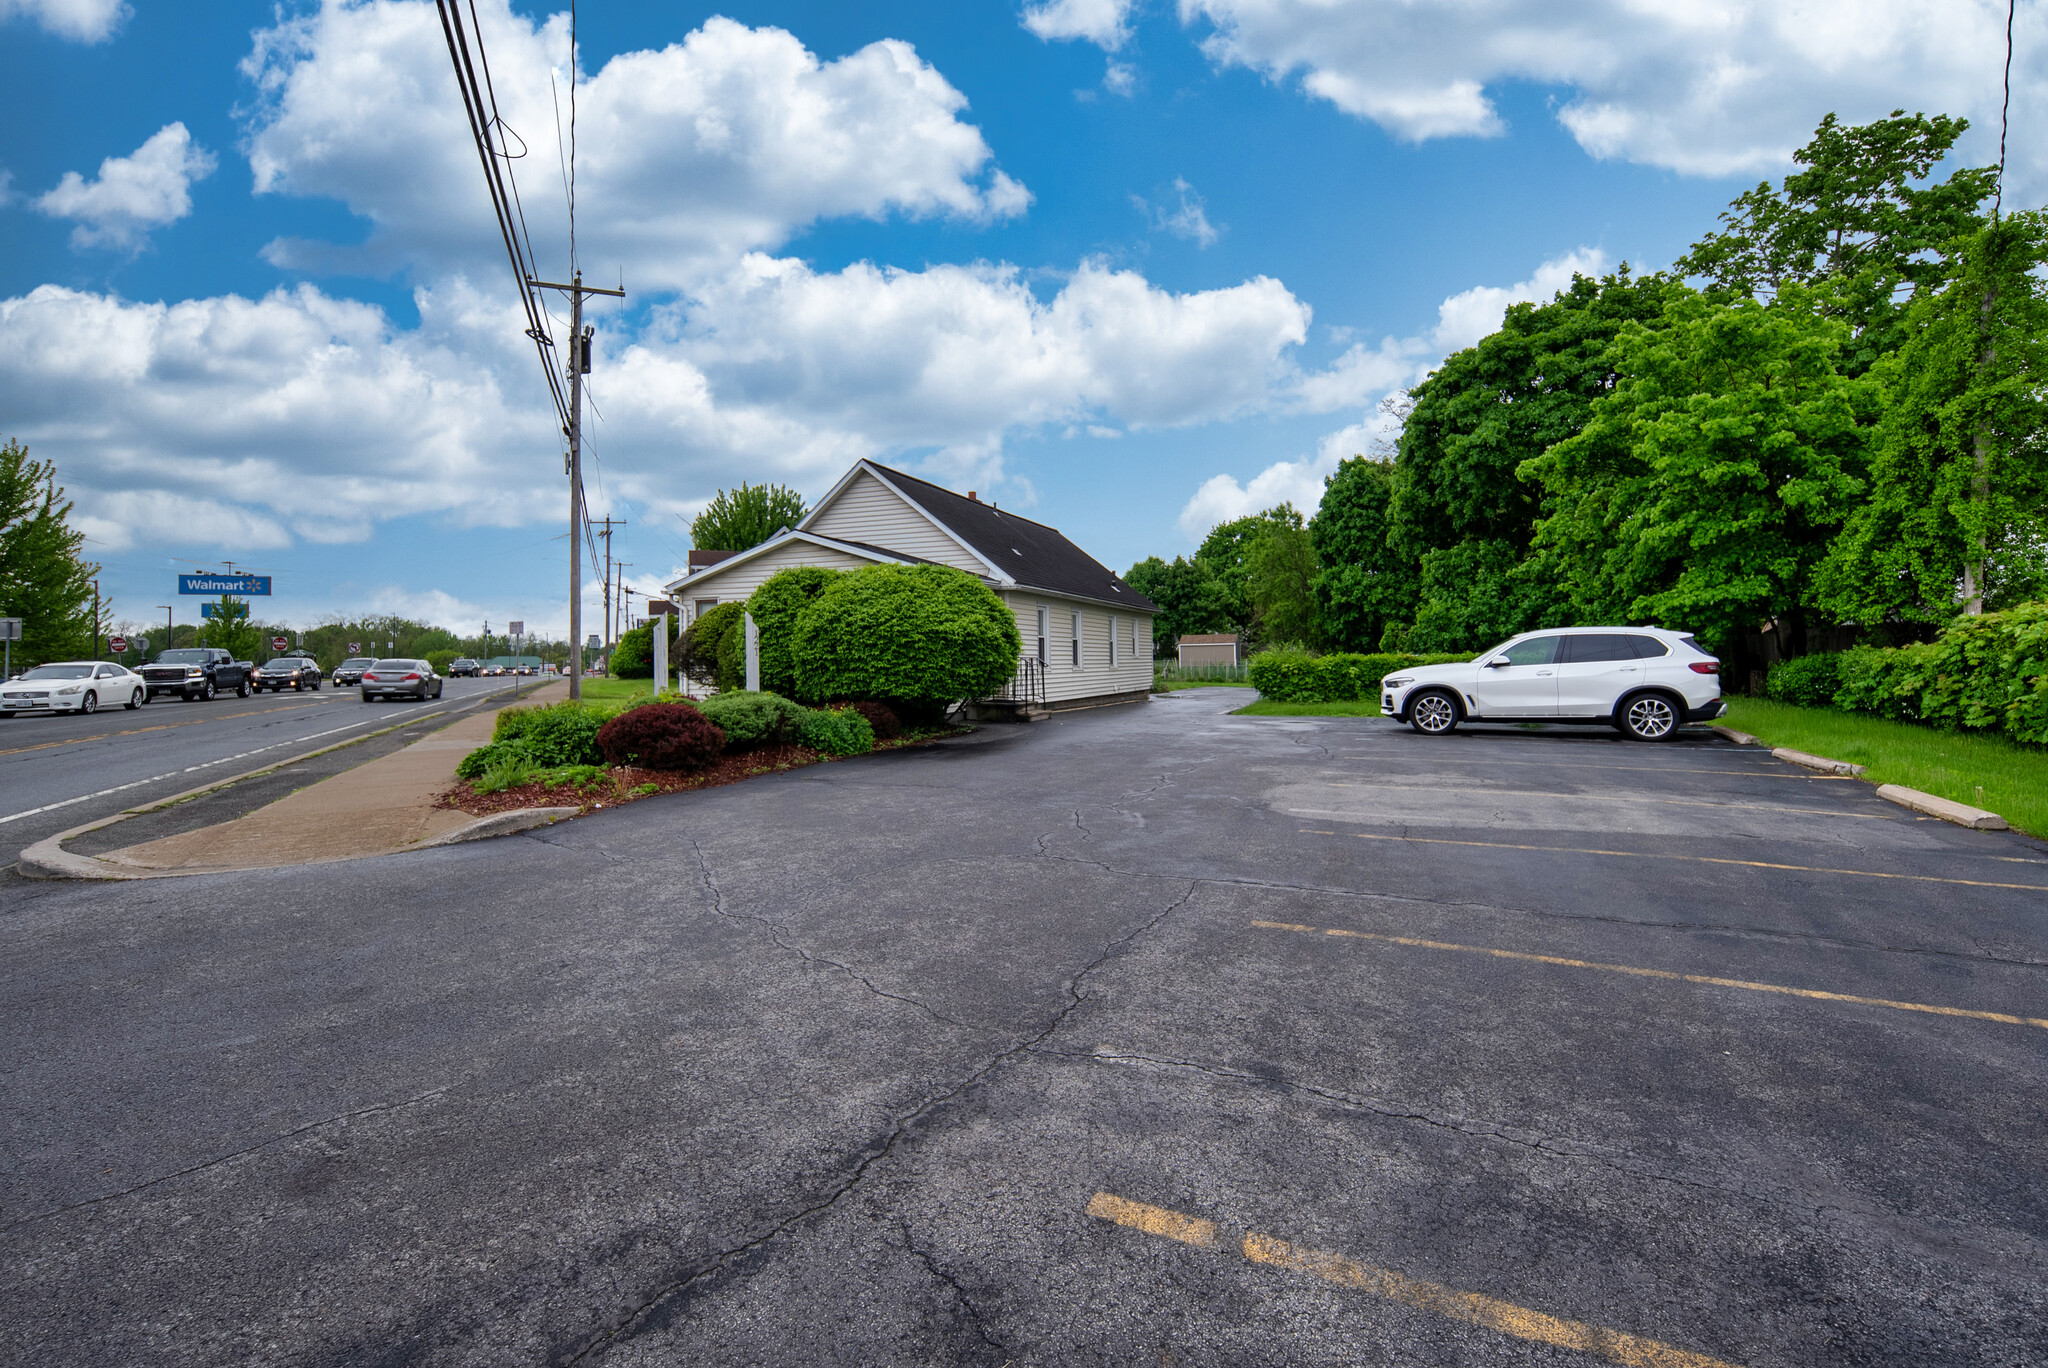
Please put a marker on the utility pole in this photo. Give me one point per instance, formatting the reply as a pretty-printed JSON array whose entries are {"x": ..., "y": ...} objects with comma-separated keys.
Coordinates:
[
  {"x": 167, "y": 624},
  {"x": 95, "y": 618},
  {"x": 579, "y": 366},
  {"x": 610, "y": 623}
]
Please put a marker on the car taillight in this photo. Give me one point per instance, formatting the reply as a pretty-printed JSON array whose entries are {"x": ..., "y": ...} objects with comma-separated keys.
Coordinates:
[
  {"x": 1706, "y": 667},
  {"x": 414, "y": 675},
  {"x": 369, "y": 679}
]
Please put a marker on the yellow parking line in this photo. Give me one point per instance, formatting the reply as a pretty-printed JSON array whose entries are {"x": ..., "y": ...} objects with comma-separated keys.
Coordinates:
[
  {"x": 1695, "y": 859},
  {"x": 1474, "y": 1308},
  {"x": 1638, "y": 972}
]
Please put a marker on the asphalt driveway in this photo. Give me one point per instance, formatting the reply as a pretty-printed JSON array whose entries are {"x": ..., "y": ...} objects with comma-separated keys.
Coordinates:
[{"x": 1146, "y": 1036}]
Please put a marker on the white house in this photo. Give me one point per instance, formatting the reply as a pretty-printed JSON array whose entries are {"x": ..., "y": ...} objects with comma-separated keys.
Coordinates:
[{"x": 1087, "y": 635}]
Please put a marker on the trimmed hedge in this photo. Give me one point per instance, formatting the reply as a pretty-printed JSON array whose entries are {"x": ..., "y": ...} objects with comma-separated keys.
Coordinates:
[
  {"x": 562, "y": 733},
  {"x": 836, "y": 731},
  {"x": 698, "y": 650},
  {"x": 1987, "y": 673},
  {"x": 753, "y": 719},
  {"x": 633, "y": 657},
  {"x": 908, "y": 634},
  {"x": 1296, "y": 676},
  {"x": 1810, "y": 681},
  {"x": 775, "y": 606},
  {"x": 663, "y": 736}
]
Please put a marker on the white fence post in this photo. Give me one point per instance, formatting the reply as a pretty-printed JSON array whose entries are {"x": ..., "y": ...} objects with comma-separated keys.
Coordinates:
[
  {"x": 661, "y": 653},
  {"x": 753, "y": 653}
]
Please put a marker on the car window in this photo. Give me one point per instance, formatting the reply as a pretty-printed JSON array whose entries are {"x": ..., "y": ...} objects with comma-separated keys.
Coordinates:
[
  {"x": 1591, "y": 647},
  {"x": 1648, "y": 647},
  {"x": 42, "y": 672},
  {"x": 1535, "y": 651}
]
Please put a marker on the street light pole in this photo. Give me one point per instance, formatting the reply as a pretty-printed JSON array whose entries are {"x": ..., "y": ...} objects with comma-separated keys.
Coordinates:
[{"x": 168, "y": 629}]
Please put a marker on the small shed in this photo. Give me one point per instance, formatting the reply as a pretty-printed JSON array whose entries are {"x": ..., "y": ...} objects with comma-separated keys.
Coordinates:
[{"x": 1211, "y": 648}]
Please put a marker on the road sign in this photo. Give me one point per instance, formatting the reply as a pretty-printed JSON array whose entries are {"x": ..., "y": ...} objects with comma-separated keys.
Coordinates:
[
  {"x": 279, "y": 643},
  {"x": 593, "y": 642},
  {"x": 516, "y": 628},
  {"x": 206, "y": 609},
  {"x": 10, "y": 629},
  {"x": 355, "y": 648},
  {"x": 118, "y": 645},
  {"x": 256, "y": 586}
]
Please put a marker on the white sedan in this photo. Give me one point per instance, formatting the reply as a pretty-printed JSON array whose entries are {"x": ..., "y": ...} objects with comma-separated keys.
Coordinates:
[
  {"x": 73, "y": 686},
  {"x": 1643, "y": 681}
]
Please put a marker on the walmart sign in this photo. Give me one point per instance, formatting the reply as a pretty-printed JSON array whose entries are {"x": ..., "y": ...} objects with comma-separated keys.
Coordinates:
[{"x": 248, "y": 585}]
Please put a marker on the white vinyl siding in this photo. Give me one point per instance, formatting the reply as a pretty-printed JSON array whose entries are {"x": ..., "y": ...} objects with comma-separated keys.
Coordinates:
[
  {"x": 869, "y": 511},
  {"x": 1132, "y": 673},
  {"x": 736, "y": 584}
]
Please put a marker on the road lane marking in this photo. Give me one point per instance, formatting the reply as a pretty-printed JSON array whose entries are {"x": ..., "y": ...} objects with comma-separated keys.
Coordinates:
[
  {"x": 1695, "y": 859},
  {"x": 193, "y": 769},
  {"x": 1474, "y": 1308},
  {"x": 1636, "y": 971},
  {"x": 161, "y": 726}
]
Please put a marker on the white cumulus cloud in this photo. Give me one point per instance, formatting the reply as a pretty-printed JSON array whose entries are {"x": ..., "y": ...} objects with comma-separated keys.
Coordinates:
[
  {"x": 149, "y": 188},
  {"x": 1710, "y": 87},
  {"x": 729, "y": 141},
  {"x": 82, "y": 21},
  {"x": 1105, "y": 23}
]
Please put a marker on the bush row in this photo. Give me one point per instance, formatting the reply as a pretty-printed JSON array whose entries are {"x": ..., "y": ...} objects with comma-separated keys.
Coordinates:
[
  {"x": 1987, "y": 673},
  {"x": 1296, "y": 676}
]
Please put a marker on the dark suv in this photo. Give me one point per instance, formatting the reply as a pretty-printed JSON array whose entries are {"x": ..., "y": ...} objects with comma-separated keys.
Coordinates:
[
  {"x": 288, "y": 672},
  {"x": 196, "y": 672}
]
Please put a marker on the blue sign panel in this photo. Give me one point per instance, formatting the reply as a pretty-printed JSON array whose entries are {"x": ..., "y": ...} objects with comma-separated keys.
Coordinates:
[
  {"x": 255, "y": 586},
  {"x": 206, "y": 609}
]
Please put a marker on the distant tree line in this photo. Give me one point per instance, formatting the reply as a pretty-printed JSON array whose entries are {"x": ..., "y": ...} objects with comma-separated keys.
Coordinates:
[{"x": 1825, "y": 423}]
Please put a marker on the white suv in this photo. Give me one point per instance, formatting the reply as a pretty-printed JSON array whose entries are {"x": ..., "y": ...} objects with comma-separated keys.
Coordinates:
[{"x": 1644, "y": 681}]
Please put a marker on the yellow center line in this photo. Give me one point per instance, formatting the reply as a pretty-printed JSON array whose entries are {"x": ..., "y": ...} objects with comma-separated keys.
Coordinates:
[
  {"x": 1695, "y": 859},
  {"x": 1474, "y": 1308},
  {"x": 1636, "y": 971},
  {"x": 161, "y": 726}
]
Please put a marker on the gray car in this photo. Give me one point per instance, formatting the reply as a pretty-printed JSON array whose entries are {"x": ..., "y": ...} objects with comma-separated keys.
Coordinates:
[{"x": 401, "y": 679}]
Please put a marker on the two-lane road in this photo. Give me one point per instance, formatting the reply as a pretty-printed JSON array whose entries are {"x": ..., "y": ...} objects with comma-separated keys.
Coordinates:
[{"x": 59, "y": 772}]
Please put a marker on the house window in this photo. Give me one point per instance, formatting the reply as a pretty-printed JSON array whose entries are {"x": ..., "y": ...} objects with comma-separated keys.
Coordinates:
[
  {"x": 1134, "y": 638},
  {"x": 1042, "y": 632},
  {"x": 1112, "y": 641},
  {"x": 704, "y": 606},
  {"x": 1077, "y": 638}
]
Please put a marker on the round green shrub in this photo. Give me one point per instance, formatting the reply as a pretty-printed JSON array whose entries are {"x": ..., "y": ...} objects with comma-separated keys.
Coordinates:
[
  {"x": 697, "y": 648},
  {"x": 1810, "y": 681},
  {"x": 914, "y": 634},
  {"x": 562, "y": 733},
  {"x": 775, "y": 607},
  {"x": 753, "y": 719},
  {"x": 836, "y": 731},
  {"x": 663, "y": 736}
]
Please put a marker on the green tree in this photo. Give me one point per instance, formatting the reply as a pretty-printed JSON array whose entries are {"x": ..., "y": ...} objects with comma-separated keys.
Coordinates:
[
  {"x": 737, "y": 519},
  {"x": 1706, "y": 488},
  {"x": 1280, "y": 575},
  {"x": 914, "y": 636},
  {"x": 1226, "y": 554},
  {"x": 1363, "y": 583},
  {"x": 1190, "y": 598},
  {"x": 43, "y": 580},
  {"x": 1859, "y": 211},
  {"x": 1958, "y": 509},
  {"x": 231, "y": 630}
]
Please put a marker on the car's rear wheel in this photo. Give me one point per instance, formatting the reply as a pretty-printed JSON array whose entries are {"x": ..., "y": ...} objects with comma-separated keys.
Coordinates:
[
  {"x": 1434, "y": 713},
  {"x": 1649, "y": 717},
  {"x": 135, "y": 700},
  {"x": 90, "y": 703}
]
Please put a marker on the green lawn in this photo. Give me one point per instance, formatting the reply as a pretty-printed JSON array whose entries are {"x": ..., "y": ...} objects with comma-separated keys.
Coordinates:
[
  {"x": 1983, "y": 771},
  {"x": 1266, "y": 707},
  {"x": 616, "y": 690}
]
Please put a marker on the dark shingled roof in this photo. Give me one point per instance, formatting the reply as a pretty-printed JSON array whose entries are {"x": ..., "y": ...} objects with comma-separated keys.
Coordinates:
[{"x": 1034, "y": 555}]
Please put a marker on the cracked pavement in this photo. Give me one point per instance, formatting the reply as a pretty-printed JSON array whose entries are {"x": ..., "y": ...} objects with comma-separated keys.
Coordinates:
[{"x": 825, "y": 1068}]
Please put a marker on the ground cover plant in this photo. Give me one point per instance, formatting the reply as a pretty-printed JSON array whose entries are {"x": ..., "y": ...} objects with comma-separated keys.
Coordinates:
[
  {"x": 754, "y": 719},
  {"x": 1983, "y": 771},
  {"x": 563, "y": 733}
]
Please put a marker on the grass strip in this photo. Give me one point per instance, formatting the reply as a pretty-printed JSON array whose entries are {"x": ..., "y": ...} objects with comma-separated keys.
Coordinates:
[
  {"x": 1266, "y": 707},
  {"x": 1983, "y": 771}
]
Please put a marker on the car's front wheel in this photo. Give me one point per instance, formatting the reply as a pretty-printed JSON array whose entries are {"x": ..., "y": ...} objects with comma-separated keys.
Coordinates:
[
  {"x": 90, "y": 703},
  {"x": 1649, "y": 717},
  {"x": 1434, "y": 713},
  {"x": 207, "y": 692},
  {"x": 242, "y": 689}
]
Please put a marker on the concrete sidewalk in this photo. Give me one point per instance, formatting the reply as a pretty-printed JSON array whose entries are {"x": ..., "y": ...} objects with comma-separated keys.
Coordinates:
[{"x": 377, "y": 808}]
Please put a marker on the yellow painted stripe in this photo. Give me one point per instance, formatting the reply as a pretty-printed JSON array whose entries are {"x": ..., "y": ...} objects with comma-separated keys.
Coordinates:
[
  {"x": 1153, "y": 1220},
  {"x": 1638, "y": 972},
  {"x": 1693, "y": 859},
  {"x": 161, "y": 726},
  {"x": 1472, "y": 1307}
]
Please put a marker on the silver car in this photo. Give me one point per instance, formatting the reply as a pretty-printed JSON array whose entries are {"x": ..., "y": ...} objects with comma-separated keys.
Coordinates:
[{"x": 401, "y": 679}]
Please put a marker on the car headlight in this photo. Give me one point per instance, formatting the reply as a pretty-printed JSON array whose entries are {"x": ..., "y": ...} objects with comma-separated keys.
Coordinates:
[
  {"x": 1397, "y": 683},
  {"x": 194, "y": 670},
  {"x": 72, "y": 690}
]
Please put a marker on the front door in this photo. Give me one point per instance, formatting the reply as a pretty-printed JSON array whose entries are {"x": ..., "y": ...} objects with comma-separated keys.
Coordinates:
[
  {"x": 1525, "y": 686},
  {"x": 1593, "y": 670}
]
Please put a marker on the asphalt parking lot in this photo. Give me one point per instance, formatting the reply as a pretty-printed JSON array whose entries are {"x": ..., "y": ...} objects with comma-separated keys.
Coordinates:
[{"x": 1148, "y": 1036}]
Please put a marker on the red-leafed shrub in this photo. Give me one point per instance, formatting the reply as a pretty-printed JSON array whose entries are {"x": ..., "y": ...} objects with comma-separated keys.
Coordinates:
[
  {"x": 880, "y": 716},
  {"x": 663, "y": 736}
]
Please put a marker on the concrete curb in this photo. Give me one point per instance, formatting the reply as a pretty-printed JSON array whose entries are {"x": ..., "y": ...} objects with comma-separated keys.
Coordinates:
[
  {"x": 499, "y": 824},
  {"x": 1962, "y": 814},
  {"x": 47, "y": 858},
  {"x": 1817, "y": 762},
  {"x": 1740, "y": 738}
]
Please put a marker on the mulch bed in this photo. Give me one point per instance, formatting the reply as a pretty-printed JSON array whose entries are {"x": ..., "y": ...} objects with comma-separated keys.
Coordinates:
[{"x": 626, "y": 779}]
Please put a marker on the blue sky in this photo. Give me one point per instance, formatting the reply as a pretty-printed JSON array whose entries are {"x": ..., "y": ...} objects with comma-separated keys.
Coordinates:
[{"x": 1130, "y": 268}]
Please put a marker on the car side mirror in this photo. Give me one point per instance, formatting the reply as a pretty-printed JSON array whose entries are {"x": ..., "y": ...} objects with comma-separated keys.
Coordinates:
[{"x": 1497, "y": 662}]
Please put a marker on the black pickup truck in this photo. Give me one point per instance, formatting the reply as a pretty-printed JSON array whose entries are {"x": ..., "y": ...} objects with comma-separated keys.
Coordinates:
[{"x": 195, "y": 672}]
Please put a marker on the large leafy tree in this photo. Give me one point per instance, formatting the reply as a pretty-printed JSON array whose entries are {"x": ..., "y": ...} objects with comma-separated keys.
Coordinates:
[
  {"x": 1958, "y": 510},
  {"x": 1190, "y": 598},
  {"x": 1706, "y": 488},
  {"x": 231, "y": 630},
  {"x": 43, "y": 579},
  {"x": 1859, "y": 210},
  {"x": 1280, "y": 575},
  {"x": 1363, "y": 583},
  {"x": 737, "y": 519}
]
